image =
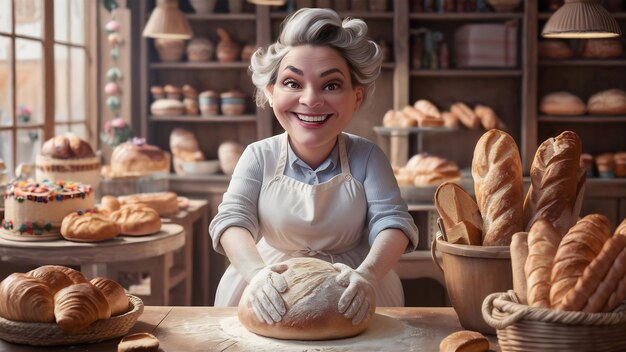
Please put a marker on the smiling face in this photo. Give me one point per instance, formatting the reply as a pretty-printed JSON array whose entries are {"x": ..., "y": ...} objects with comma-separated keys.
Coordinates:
[{"x": 314, "y": 99}]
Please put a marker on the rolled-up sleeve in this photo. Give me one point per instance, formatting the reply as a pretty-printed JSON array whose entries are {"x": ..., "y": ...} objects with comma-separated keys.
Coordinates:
[
  {"x": 239, "y": 204},
  {"x": 385, "y": 206}
]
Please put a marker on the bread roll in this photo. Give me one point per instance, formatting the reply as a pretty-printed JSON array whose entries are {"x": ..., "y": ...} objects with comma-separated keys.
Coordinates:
[
  {"x": 137, "y": 158},
  {"x": 430, "y": 170},
  {"x": 78, "y": 306},
  {"x": 464, "y": 341},
  {"x": 450, "y": 120},
  {"x": 455, "y": 205},
  {"x": 137, "y": 220},
  {"x": 519, "y": 255},
  {"x": 555, "y": 50},
  {"x": 488, "y": 118},
  {"x": 165, "y": 203},
  {"x": 394, "y": 118},
  {"x": 602, "y": 48},
  {"x": 594, "y": 273},
  {"x": 27, "y": 299},
  {"x": 88, "y": 227},
  {"x": 427, "y": 108},
  {"x": 497, "y": 173},
  {"x": 562, "y": 103},
  {"x": 543, "y": 241},
  {"x": 555, "y": 182},
  {"x": 466, "y": 115},
  {"x": 578, "y": 248},
  {"x": 110, "y": 203},
  {"x": 139, "y": 342},
  {"x": 53, "y": 278},
  {"x": 312, "y": 305},
  {"x": 76, "y": 276},
  {"x": 608, "y": 102},
  {"x": 114, "y": 294},
  {"x": 67, "y": 147}
]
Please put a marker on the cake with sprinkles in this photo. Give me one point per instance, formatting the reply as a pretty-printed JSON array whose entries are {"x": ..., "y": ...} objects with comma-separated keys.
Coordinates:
[
  {"x": 68, "y": 157},
  {"x": 34, "y": 210}
]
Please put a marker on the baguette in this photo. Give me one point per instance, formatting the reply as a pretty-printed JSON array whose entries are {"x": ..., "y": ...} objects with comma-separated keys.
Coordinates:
[
  {"x": 578, "y": 248},
  {"x": 519, "y": 255},
  {"x": 588, "y": 283},
  {"x": 555, "y": 177},
  {"x": 543, "y": 241},
  {"x": 599, "y": 299},
  {"x": 497, "y": 173}
]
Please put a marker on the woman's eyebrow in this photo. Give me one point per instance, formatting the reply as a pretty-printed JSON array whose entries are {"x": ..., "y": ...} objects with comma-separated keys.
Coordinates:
[
  {"x": 294, "y": 70},
  {"x": 323, "y": 74}
]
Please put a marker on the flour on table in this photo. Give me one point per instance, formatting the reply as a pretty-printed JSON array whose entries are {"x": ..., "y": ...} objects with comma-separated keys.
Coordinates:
[{"x": 382, "y": 333}]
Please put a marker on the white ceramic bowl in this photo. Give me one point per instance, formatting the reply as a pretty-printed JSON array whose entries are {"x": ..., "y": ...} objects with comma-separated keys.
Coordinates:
[{"x": 204, "y": 167}]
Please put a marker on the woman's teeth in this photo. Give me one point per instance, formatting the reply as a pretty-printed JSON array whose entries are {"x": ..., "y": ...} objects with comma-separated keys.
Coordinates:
[{"x": 309, "y": 118}]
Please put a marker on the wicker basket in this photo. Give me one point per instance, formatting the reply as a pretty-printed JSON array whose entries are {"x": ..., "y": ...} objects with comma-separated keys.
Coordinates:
[
  {"x": 523, "y": 328},
  {"x": 50, "y": 334}
]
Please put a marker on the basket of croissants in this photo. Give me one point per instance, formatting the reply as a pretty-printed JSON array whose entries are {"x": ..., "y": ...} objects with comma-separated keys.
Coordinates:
[{"x": 56, "y": 305}]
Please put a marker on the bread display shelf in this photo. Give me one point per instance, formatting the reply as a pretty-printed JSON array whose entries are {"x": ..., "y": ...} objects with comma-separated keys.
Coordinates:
[
  {"x": 388, "y": 131},
  {"x": 586, "y": 62},
  {"x": 465, "y": 16},
  {"x": 582, "y": 118},
  {"x": 51, "y": 334},
  {"x": 199, "y": 65},
  {"x": 199, "y": 118},
  {"x": 467, "y": 73}
]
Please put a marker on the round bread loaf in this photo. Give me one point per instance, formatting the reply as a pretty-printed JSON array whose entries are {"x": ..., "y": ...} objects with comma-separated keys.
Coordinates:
[
  {"x": 137, "y": 220},
  {"x": 137, "y": 158},
  {"x": 312, "y": 305},
  {"x": 89, "y": 227}
]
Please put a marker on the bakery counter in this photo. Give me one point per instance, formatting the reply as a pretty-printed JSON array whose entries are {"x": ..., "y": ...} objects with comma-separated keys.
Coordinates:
[{"x": 218, "y": 329}]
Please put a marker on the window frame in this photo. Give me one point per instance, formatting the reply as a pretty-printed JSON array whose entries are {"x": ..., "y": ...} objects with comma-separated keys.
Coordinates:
[{"x": 48, "y": 43}]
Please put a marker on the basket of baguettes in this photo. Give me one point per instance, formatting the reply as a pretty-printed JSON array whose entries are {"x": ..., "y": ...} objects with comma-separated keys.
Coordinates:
[
  {"x": 56, "y": 305},
  {"x": 568, "y": 274}
]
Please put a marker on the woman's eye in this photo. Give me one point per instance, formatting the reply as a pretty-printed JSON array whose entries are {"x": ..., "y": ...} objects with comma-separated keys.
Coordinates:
[
  {"x": 291, "y": 84},
  {"x": 332, "y": 86}
]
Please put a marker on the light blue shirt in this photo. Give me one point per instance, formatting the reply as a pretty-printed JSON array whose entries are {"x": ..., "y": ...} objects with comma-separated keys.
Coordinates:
[{"x": 368, "y": 164}]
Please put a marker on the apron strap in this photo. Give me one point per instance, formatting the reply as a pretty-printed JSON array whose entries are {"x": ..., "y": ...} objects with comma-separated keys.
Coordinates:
[{"x": 343, "y": 156}]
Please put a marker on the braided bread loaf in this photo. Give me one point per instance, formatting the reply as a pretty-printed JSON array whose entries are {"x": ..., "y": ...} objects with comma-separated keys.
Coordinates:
[{"x": 497, "y": 173}]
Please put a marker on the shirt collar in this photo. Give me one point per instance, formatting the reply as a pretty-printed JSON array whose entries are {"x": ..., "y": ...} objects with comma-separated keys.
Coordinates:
[{"x": 296, "y": 163}]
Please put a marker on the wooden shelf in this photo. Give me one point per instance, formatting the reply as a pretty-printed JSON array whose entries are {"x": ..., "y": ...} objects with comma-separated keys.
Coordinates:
[
  {"x": 582, "y": 119},
  {"x": 582, "y": 62},
  {"x": 616, "y": 15},
  {"x": 388, "y": 131},
  {"x": 204, "y": 119},
  {"x": 222, "y": 17},
  {"x": 465, "y": 16},
  {"x": 198, "y": 65},
  {"x": 467, "y": 73}
]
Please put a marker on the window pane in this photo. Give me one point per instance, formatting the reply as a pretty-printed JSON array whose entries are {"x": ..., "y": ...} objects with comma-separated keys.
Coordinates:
[
  {"x": 5, "y": 16},
  {"x": 61, "y": 20},
  {"x": 77, "y": 21},
  {"x": 61, "y": 70},
  {"x": 80, "y": 129},
  {"x": 29, "y": 68},
  {"x": 6, "y": 93},
  {"x": 60, "y": 130},
  {"x": 78, "y": 87},
  {"x": 29, "y": 17},
  {"x": 28, "y": 145},
  {"x": 6, "y": 151}
]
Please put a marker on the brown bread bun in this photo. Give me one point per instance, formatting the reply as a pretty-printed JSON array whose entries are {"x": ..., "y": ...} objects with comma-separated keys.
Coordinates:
[
  {"x": 464, "y": 341},
  {"x": 78, "y": 306},
  {"x": 607, "y": 102},
  {"x": 498, "y": 187},
  {"x": 562, "y": 103},
  {"x": 466, "y": 115},
  {"x": 311, "y": 300},
  {"x": 139, "y": 342},
  {"x": 427, "y": 108},
  {"x": 114, "y": 294},
  {"x": 556, "y": 181},
  {"x": 88, "y": 227},
  {"x": 67, "y": 147},
  {"x": 110, "y": 203},
  {"x": 137, "y": 220},
  {"x": 555, "y": 50},
  {"x": 27, "y": 299},
  {"x": 165, "y": 203}
]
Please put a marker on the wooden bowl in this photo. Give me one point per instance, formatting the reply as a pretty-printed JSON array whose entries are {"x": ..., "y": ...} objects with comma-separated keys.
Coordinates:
[{"x": 471, "y": 274}]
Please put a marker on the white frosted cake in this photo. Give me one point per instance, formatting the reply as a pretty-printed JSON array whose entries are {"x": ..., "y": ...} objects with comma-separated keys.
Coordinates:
[
  {"x": 33, "y": 211},
  {"x": 68, "y": 158}
]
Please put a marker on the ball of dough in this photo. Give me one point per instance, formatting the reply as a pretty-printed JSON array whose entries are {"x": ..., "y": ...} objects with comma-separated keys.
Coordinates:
[{"x": 312, "y": 305}]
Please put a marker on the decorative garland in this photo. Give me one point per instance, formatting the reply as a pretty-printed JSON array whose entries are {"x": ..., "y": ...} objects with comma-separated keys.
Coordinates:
[{"x": 117, "y": 130}]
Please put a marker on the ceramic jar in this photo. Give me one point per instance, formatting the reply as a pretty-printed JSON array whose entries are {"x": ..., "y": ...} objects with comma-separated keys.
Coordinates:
[
  {"x": 200, "y": 49},
  {"x": 209, "y": 103},
  {"x": 170, "y": 50},
  {"x": 233, "y": 103},
  {"x": 227, "y": 49},
  {"x": 203, "y": 6}
]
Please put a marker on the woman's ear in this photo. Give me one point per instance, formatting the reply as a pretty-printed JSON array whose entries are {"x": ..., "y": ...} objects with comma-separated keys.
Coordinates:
[
  {"x": 269, "y": 94},
  {"x": 360, "y": 95}
]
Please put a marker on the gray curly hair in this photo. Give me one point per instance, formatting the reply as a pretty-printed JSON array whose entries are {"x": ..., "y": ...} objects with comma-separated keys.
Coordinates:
[{"x": 316, "y": 26}]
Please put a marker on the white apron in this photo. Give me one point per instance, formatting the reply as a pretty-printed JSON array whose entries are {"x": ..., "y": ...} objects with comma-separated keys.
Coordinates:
[{"x": 325, "y": 221}]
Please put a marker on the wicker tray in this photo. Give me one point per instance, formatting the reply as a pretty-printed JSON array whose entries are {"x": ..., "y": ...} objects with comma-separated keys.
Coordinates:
[
  {"x": 523, "y": 328},
  {"x": 50, "y": 334}
]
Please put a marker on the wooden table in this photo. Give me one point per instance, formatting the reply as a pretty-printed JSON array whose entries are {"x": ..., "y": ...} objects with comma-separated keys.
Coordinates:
[{"x": 192, "y": 329}]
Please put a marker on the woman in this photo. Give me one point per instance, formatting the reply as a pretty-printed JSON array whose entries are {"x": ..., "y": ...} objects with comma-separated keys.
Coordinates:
[{"x": 314, "y": 190}]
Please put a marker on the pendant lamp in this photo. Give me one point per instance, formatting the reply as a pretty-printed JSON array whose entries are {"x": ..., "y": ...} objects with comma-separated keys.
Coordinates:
[
  {"x": 581, "y": 19},
  {"x": 168, "y": 22}
]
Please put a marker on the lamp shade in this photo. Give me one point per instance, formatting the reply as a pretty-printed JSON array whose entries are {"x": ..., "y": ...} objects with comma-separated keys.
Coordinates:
[
  {"x": 168, "y": 22},
  {"x": 581, "y": 19}
]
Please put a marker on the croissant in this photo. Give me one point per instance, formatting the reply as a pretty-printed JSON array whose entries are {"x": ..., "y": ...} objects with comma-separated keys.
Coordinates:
[
  {"x": 78, "y": 306},
  {"x": 114, "y": 294},
  {"x": 76, "y": 276},
  {"x": 24, "y": 298},
  {"x": 55, "y": 279}
]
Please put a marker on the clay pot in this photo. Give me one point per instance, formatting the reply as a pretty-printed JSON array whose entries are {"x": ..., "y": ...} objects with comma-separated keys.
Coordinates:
[
  {"x": 200, "y": 49},
  {"x": 227, "y": 49},
  {"x": 209, "y": 103},
  {"x": 203, "y": 6},
  {"x": 170, "y": 50},
  {"x": 233, "y": 103}
]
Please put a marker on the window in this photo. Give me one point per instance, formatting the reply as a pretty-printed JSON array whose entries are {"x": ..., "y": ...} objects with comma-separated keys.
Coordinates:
[{"x": 47, "y": 84}]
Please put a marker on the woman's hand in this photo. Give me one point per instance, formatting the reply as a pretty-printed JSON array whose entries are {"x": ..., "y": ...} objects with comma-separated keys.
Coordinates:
[
  {"x": 267, "y": 303},
  {"x": 354, "y": 302}
]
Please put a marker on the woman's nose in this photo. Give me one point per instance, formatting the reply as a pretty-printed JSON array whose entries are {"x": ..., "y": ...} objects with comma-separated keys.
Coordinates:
[{"x": 311, "y": 97}]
